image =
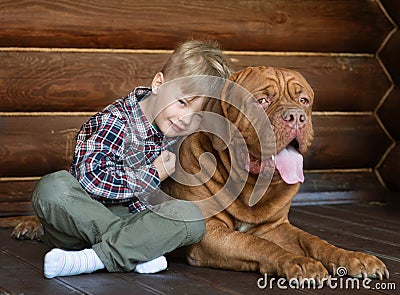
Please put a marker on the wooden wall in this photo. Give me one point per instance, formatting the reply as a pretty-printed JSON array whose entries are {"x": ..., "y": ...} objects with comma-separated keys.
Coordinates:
[{"x": 63, "y": 60}]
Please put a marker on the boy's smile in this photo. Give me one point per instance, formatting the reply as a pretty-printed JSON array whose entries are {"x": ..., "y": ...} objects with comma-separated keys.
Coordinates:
[
  {"x": 180, "y": 118},
  {"x": 174, "y": 113}
]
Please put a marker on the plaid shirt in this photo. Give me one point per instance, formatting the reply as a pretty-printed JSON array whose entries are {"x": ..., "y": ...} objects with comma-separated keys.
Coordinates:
[{"x": 114, "y": 153}]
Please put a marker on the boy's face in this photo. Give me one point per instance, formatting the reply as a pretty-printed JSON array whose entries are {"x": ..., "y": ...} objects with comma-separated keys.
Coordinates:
[{"x": 181, "y": 117}]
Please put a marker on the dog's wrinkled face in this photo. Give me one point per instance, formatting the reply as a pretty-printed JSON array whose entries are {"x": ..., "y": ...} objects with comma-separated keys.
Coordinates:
[
  {"x": 289, "y": 100},
  {"x": 286, "y": 98}
]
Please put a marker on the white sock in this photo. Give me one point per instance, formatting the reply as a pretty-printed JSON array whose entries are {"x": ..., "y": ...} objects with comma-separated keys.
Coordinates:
[
  {"x": 152, "y": 266},
  {"x": 58, "y": 262}
]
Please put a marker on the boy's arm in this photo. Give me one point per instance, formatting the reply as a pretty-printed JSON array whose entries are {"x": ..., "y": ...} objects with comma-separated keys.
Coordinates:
[{"x": 100, "y": 166}]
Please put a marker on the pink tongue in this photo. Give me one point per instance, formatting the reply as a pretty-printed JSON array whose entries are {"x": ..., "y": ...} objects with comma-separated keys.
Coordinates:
[{"x": 289, "y": 163}]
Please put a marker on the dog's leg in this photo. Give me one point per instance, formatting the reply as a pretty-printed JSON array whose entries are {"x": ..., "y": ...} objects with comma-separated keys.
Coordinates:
[
  {"x": 223, "y": 247},
  {"x": 300, "y": 242},
  {"x": 25, "y": 227}
]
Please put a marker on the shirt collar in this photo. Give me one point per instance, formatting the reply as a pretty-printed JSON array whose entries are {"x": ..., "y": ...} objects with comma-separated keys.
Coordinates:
[{"x": 140, "y": 93}]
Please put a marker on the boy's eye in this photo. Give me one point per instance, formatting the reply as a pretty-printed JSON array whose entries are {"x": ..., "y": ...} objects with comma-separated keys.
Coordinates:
[{"x": 182, "y": 102}]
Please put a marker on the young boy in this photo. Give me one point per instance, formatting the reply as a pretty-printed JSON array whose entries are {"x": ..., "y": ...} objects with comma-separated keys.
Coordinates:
[{"x": 94, "y": 216}]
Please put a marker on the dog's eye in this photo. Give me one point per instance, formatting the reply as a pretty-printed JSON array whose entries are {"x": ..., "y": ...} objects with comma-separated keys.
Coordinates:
[
  {"x": 304, "y": 100},
  {"x": 264, "y": 102}
]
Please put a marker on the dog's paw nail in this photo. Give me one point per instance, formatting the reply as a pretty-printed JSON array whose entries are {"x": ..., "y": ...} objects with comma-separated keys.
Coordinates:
[
  {"x": 379, "y": 275},
  {"x": 364, "y": 274},
  {"x": 386, "y": 273}
]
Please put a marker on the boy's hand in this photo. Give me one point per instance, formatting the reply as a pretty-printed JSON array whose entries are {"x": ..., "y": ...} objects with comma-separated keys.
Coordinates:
[{"x": 165, "y": 164}]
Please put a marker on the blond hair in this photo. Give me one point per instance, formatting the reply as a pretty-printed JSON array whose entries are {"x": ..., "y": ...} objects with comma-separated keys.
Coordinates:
[
  {"x": 198, "y": 62},
  {"x": 197, "y": 57}
]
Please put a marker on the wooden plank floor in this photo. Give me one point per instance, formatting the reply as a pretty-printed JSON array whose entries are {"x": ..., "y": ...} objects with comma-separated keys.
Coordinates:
[{"x": 371, "y": 228}]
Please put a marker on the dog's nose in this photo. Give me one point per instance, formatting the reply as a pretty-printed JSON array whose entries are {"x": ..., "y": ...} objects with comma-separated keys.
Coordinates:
[{"x": 294, "y": 118}]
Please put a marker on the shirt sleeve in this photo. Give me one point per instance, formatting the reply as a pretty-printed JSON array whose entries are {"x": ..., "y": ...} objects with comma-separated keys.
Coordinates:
[{"x": 102, "y": 167}]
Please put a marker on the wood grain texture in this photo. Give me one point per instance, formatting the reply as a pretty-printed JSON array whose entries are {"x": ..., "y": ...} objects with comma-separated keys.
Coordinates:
[
  {"x": 337, "y": 197},
  {"x": 346, "y": 142},
  {"x": 16, "y": 208},
  {"x": 390, "y": 169},
  {"x": 16, "y": 191},
  {"x": 71, "y": 81},
  {"x": 44, "y": 144},
  {"x": 393, "y": 9},
  {"x": 287, "y": 25},
  {"x": 38, "y": 81},
  {"x": 389, "y": 113},
  {"x": 32, "y": 146},
  {"x": 327, "y": 181},
  {"x": 15, "y": 197},
  {"x": 390, "y": 57}
]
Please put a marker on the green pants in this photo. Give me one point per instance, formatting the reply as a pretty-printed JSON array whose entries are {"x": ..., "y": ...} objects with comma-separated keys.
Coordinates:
[{"x": 72, "y": 220}]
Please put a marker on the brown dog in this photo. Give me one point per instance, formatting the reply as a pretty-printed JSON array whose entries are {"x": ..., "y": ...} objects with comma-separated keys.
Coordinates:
[
  {"x": 255, "y": 234},
  {"x": 260, "y": 237}
]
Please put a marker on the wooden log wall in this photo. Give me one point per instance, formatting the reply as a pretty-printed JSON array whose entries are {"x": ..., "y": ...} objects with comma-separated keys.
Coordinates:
[{"x": 63, "y": 60}]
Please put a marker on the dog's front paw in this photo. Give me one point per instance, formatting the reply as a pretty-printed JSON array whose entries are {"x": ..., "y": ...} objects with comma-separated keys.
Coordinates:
[
  {"x": 359, "y": 265},
  {"x": 300, "y": 267},
  {"x": 28, "y": 230}
]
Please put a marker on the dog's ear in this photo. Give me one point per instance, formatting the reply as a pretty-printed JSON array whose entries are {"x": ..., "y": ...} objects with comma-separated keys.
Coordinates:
[
  {"x": 228, "y": 106},
  {"x": 234, "y": 96},
  {"x": 216, "y": 125}
]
